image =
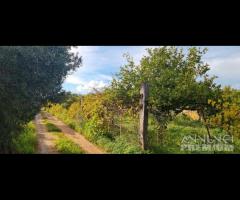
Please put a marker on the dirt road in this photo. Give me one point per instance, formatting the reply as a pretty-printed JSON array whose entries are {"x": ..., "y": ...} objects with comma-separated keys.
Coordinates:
[
  {"x": 45, "y": 139},
  {"x": 77, "y": 138}
]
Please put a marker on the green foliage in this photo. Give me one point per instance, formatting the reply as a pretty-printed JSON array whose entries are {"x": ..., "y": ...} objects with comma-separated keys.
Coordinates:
[
  {"x": 69, "y": 99},
  {"x": 67, "y": 146},
  {"x": 122, "y": 146},
  {"x": 183, "y": 120},
  {"x": 26, "y": 141},
  {"x": 30, "y": 77},
  {"x": 97, "y": 117},
  {"x": 229, "y": 117},
  {"x": 178, "y": 128},
  {"x": 127, "y": 141},
  {"x": 176, "y": 81}
]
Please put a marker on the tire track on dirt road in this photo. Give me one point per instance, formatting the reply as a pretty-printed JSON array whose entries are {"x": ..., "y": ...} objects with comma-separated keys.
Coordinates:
[
  {"x": 45, "y": 139},
  {"x": 76, "y": 137}
]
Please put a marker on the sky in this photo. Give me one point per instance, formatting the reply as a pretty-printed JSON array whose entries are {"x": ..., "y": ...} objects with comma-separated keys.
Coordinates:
[{"x": 101, "y": 63}]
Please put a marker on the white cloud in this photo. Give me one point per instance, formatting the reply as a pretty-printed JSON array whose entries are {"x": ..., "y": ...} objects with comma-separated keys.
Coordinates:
[
  {"x": 86, "y": 87},
  {"x": 83, "y": 86},
  {"x": 227, "y": 69},
  {"x": 99, "y": 65},
  {"x": 73, "y": 79}
]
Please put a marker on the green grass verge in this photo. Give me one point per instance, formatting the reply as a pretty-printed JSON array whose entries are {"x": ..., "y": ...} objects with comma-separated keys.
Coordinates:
[
  {"x": 26, "y": 141},
  {"x": 67, "y": 146},
  {"x": 63, "y": 144},
  {"x": 127, "y": 143},
  {"x": 181, "y": 126},
  {"x": 51, "y": 127}
]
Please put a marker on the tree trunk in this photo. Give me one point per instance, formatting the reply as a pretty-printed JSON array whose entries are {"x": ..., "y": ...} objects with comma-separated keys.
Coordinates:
[
  {"x": 208, "y": 131},
  {"x": 206, "y": 125}
]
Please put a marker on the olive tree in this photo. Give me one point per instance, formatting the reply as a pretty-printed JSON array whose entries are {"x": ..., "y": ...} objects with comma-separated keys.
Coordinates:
[{"x": 29, "y": 77}]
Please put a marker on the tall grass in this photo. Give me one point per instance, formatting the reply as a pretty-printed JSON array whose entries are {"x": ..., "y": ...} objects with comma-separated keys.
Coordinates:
[
  {"x": 124, "y": 143},
  {"x": 128, "y": 140},
  {"x": 181, "y": 126},
  {"x": 26, "y": 141}
]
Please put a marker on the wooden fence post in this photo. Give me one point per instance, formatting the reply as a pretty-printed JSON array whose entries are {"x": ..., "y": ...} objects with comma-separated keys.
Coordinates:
[{"x": 143, "y": 125}]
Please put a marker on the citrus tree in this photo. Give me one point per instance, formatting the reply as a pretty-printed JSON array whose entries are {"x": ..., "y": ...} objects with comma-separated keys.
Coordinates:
[{"x": 177, "y": 81}]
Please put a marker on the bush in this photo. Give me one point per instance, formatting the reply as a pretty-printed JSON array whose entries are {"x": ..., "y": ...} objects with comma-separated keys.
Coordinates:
[
  {"x": 96, "y": 120},
  {"x": 229, "y": 117}
]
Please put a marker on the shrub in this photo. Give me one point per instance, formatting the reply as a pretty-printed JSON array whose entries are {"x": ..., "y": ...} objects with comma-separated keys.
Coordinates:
[
  {"x": 229, "y": 117},
  {"x": 26, "y": 141}
]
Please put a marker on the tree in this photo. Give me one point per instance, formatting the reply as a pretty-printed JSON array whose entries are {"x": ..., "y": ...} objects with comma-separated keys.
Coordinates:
[
  {"x": 176, "y": 82},
  {"x": 29, "y": 77}
]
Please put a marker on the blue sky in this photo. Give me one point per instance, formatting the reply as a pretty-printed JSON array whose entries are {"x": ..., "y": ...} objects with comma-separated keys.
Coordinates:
[{"x": 100, "y": 63}]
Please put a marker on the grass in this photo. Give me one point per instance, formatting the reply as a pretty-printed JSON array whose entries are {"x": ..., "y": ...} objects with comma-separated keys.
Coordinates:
[
  {"x": 63, "y": 144},
  {"x": 26, "y": 141},
  {"x": 176, "y": 130},
  {"x": 67, "y": 146},
  {"x": 114, "y": 142},
  {"x": 52, "y": 128},
  {"x": 43, "y": 115},
  {"x": 128, "y": 142},
  {"x": 118, "y": 145}
]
